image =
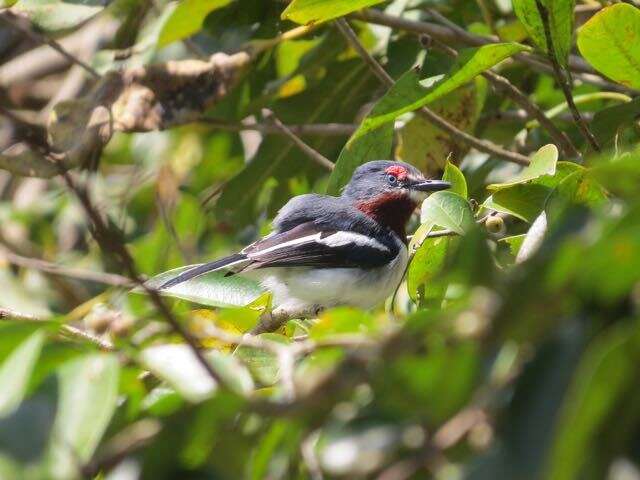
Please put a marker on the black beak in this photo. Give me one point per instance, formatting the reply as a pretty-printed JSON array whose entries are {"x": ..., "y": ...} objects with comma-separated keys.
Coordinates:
[{"x": 429, "y": 185}]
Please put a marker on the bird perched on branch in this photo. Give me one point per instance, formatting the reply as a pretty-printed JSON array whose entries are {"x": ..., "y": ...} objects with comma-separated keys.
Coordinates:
[{"x": 327, "y": 251}]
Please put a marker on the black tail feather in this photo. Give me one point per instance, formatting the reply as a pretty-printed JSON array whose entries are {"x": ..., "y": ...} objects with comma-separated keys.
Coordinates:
[{"x": 202, "y": 269}]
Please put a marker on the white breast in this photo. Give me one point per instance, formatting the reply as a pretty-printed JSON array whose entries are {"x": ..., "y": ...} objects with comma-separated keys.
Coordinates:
[{"x": 310, "y": 288}]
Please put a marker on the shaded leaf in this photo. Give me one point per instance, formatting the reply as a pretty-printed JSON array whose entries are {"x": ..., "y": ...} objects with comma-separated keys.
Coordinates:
[
  {"x": 609, "y": 42},
  {"x": 608, "y": 122},
  {"x": 426, "y": 265}
]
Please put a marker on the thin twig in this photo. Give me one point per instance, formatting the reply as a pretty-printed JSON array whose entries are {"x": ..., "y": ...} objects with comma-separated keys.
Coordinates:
[
  {"x": 37, "y": 37},
  {"x": 314, "y": 155},
  {"x": 8, "y": 314},
  {"x": 463, "y": 137},
  {"x": 56, "y": 269},
  {"x": 562, "y": 79},
  {"x": 320, "y": 129},
  {"x": 515, "y": 94}
]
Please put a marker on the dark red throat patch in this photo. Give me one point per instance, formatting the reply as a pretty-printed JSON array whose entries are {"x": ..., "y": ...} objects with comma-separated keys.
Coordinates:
[{"x": 392, "y": 210}]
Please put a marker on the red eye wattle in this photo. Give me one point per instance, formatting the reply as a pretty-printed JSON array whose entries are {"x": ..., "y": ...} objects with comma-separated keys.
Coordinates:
[{"x": 396, "y": 170}]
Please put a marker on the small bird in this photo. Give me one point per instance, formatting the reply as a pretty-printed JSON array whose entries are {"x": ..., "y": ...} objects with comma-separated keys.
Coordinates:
[{"x": 327, "y": 251}]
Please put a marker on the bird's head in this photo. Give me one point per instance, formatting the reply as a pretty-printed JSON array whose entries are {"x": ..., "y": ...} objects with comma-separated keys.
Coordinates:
[
  {"x": 390, "y": 191},
  {"x": 384, "y": 178}
]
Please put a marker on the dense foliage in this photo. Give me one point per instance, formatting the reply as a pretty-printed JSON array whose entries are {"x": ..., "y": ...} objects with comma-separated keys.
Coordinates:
[{"x": 139, "y": 136}]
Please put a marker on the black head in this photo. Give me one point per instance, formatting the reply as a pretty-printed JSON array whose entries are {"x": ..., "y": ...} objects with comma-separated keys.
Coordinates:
[{"x": 385, "y": 177}]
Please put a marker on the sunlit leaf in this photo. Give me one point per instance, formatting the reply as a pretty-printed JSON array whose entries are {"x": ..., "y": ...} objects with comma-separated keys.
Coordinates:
[
  {"x": 414, "y": 95},
  {"x": 426, "y": 265},
  {"x": 315, "y": 11},
  {"x": 213, "y": 289},
  {"x": 187, "y": 18},
  {"x": 609, "y": 41},
  {"x": 454, "y": 176},
  {"x": 16, "y": 369},
  {"x": 543, "y": 162},
  {"x": 448, "y": 210}
]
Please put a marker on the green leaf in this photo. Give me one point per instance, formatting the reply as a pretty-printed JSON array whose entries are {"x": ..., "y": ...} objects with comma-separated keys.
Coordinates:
[
  {"x": 543, "y": 162},
  {"x": 187, "y": 18},
  {"x": 426, "y": 265},
  {"x": 343, "y": 320},
  {"x": 561, "y": 18},
  {"x": 454, "y": 176},
  {"x": 179, "y": 367},
  {"x": 52, "y": 15},
  {"x": 412, "y": 95},
  {"x": 514, "y": 242},
  {"x": 373, "y": 145},
  {"x": 608, "y": 122},
  {"x": 604, "y": 378},
  {"x": 609, "y": 42},
  {"x": 87, "y": 400},
  {"x": 448, "y": 210},
  {"x": 315, "y": 11},
  {"x": 213, "y": 289},
  {"x": 16, "y": 370}
]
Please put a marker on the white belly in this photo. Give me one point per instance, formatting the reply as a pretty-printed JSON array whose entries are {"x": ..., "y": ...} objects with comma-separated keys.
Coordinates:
[{"x": 307, "y": 288}]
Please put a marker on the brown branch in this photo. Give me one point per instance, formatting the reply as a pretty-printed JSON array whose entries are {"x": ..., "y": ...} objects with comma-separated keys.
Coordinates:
[
  {"x": 56, "y": 269},
  {"x": 461, "y": 136},
  {"x": 8, "y": 19},
  {"x": 320, "y": 129},
  {"x": 313, "y": 154},
  {"x": 515, "y": 94},
  {"x": 8, "y": 314},
  {"x": 562, "y": 79},
  {"x": 111, "y": 243}
]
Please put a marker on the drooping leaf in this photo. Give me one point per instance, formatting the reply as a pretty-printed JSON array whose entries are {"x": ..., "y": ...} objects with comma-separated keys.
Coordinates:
[
  {"x": 316, "y": 11},
  {"x": 16, "y": 369},
  {"x": 52, "y": 15},
  {"x": 533, "y": 239},
  {"x": 609, "y": 42},
  {"x": 414, "y": 95},
  {"x": 454, "y": 176},
  {"x": 187, "y": 18},
  {"x": 88, "y": 395},
  {"x": 448, "y": 210},
  {"x": 213, "y": 289},
  {"x": 561, "y": 18}
]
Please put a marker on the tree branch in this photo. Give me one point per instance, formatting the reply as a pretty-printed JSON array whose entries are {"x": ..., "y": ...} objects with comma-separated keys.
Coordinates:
[
  {"x": 463, "y": 137},
  {"x": 320, "y": 129},
  {"x": 515, "y": 94},
  {"x": 314, "y": 155},
  {"x": 8, "y": 19},
  {"x": 562, "y": 79}
]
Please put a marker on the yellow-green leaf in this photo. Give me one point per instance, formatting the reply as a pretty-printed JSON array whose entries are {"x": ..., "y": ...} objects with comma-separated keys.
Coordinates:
[
  {"x": 187, "y": 18},
  {"x": 315, "y": 11}
]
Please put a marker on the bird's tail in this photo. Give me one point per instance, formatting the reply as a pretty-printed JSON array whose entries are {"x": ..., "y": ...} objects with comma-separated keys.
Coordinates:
[{"x": 201, "y": 269}]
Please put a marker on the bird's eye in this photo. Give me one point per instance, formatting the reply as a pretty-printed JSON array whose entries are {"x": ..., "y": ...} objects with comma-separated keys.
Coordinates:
[{"x": 392, "y": 179}]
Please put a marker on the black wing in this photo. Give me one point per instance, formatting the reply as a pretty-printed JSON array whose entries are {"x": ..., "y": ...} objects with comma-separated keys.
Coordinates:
[{"x": 306, "y": 245}]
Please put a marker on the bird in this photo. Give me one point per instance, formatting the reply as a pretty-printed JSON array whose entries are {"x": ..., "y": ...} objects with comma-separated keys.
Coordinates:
[{"x": 327, "y": 251}]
